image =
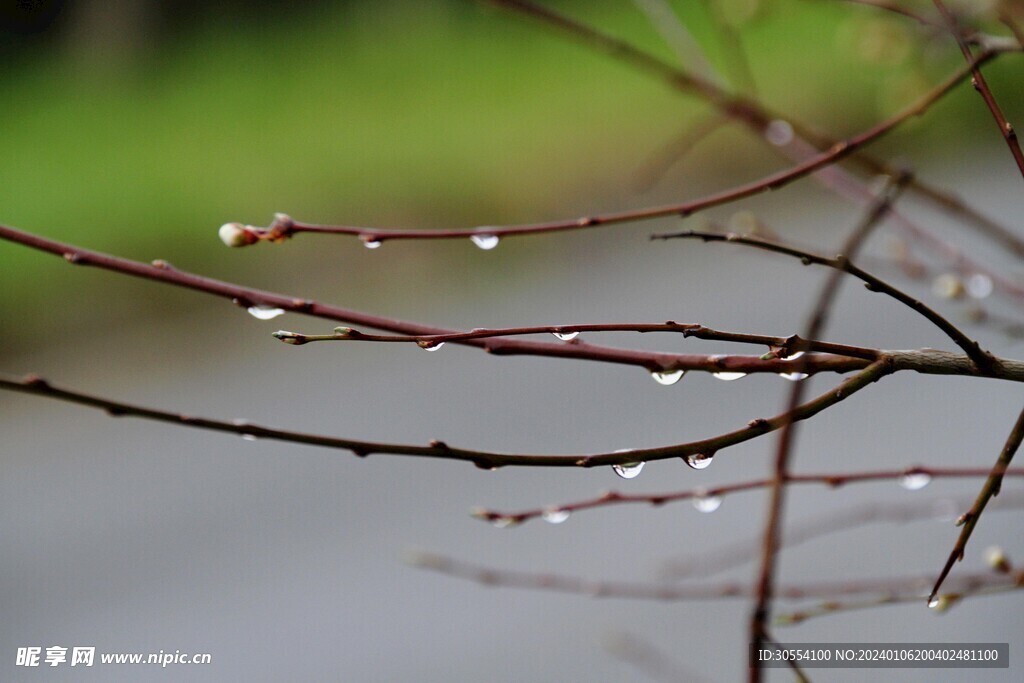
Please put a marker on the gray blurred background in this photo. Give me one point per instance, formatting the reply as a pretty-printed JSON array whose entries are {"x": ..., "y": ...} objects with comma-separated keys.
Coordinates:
[{"x": 139, "y": 128}]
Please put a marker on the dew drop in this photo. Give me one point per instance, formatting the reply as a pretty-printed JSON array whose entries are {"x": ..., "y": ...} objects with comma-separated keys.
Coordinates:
[
  {"x": 554, "y": 515},
  {"x": 504, "y": 522},
  {"x": 778, "y": 132},
  {"x": 793, "y": 376},
  {"x": 934, "y": 603},
  {"x": 728, "y": 376},
  {"x": 430, "y": 346},
  {"x": 485, "y": 242},
  {"x": 249, "y": 437},
  {"x": 265, "y": 312},
  {"x": 372, "y": 244},
  {"x": 699, "y": 461},
  {"x": 979, "y": 286},
  {"x": 566, "y": 336},
  {"x": 915, "y": 481},
  {"x": 668, "y": 377},
  {"x": 794, "y": 356},
  {"x": 628, "y": 470},
  {"x": 706, "y": 503}
]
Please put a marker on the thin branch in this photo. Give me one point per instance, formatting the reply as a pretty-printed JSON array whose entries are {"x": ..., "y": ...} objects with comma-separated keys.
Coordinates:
[
  {"x": 782, "y": 346},
  {"x": 989, "y": 490},
  {"x": 787, "y": 436},
  {"x": 246, "y": 297},
  {"x": 284, "y": 226},
  {"x": 757, "y": 427},
  {"x": 982, "y": 358},
  {"x": 754, "y": 114},
  {"x": 895, "y": 8},
  {"x": 832, "y": 480},
  {"x": 742, "y": 552},
  {"x": 662, "y": 592},
  {"x": 981, "y": 85}
]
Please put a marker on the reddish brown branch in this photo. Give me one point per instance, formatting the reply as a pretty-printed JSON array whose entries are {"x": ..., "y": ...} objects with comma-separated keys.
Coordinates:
[
  {"x": 833, "y": 479},
  {"x": 988, "y": 491},
  {"x": 981, "y": 85}
]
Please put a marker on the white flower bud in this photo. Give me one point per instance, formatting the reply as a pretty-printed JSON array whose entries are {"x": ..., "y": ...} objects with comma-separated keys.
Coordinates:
[{"x": 236, "y": 235}]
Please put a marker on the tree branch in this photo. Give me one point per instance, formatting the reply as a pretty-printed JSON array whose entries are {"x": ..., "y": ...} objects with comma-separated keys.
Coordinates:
[{"x": 989, "y": 490}]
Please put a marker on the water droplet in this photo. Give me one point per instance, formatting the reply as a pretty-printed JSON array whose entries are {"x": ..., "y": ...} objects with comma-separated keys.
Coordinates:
[
  {"x": 371, "y": 244},
  {"x": 979, "y": 286},
  {"x": 915, "y": 481},
  {"x": 265, "y": 312},
  {"x": 728, "y": 376},
  {"x": 703, "y": 502},
  {"x": 627, "y": 470},
  {"x": 249, "y": 437},
  {"x": 933, "y": 603},
  {"x": 793, "y": 376},
  {"x": 566, "y": 336},
  {"x": 699, "y": 461},
  {"x": 504, "y": 522},
  {"x": 778, "y": 132},
  {"x": 485, "y": 242},
  {"x": 554, "y": 515},
  {"x": 668, "y": 377},
  {"x": 430, "y": 345},
  {"x": 794, "y": 356}
]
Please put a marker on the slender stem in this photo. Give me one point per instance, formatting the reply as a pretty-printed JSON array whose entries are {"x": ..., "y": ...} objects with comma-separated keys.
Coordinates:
[
  {"x": 787, "y": 437},
  {"x": 982, "y": 358},
  {"x": 438, "y": 449},
  {"x": 284, "y": 226},
  {"x": 786, "y": 346},
  {"x": 988, "y": 491},
  {"x": 830, "y": 479},
  {"x": 981, "y": 85}
]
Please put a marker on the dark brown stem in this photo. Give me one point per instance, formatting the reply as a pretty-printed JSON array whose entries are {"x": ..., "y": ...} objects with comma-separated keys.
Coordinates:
[{"x": 988, "y": 491}]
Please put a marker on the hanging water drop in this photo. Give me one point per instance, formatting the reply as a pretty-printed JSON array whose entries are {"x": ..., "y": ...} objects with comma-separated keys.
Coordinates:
[
  {"x": 566, "y": 336},
  {"x": 728, "y": 376},
  {"x": 554, "y": 515},
  {"x": 502, "y": 522},
  {"x": 934, "y": 603},
  {"x": 668, "y": 377},
  {"x": 628, "y": 470},
  {"x": 429, "y": 345},
  {"x": 485, "y": 242},
  {"x": 249, "y": 437},
  {"x": 703, "y": 502},
  {"x": 371, "y": 244},
  {"x": 699, "y": 461},
  {"x": 793, "y": 356},
  {"x": 265, "y": 312},
  {"x": 915, "y": 481},
  {"x": 793, "y": 376}
]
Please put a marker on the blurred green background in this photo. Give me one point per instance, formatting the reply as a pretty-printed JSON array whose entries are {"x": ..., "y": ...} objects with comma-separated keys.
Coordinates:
[{"x": 138, "y": 128}]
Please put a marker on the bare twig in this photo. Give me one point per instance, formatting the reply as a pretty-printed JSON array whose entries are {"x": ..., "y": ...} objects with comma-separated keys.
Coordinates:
[
  {"x": 832, "y": 479},
  {"x": 982, "y": 358},
  {"x": 989, "y": 490},
  {"x": 483, "y": 459},
  {"x": 981, "y": 85}
]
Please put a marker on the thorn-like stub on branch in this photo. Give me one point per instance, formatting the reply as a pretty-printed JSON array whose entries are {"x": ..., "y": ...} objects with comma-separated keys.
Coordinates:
[
  {"x": 72, "y": 257},
  {"x": 237, "y": 235},
  {"x": 437, "y": 443},
  {"x": 302, "y": 304},
  {"x": 758, "y": 423},
  {"x": 161, "y": 264}
]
